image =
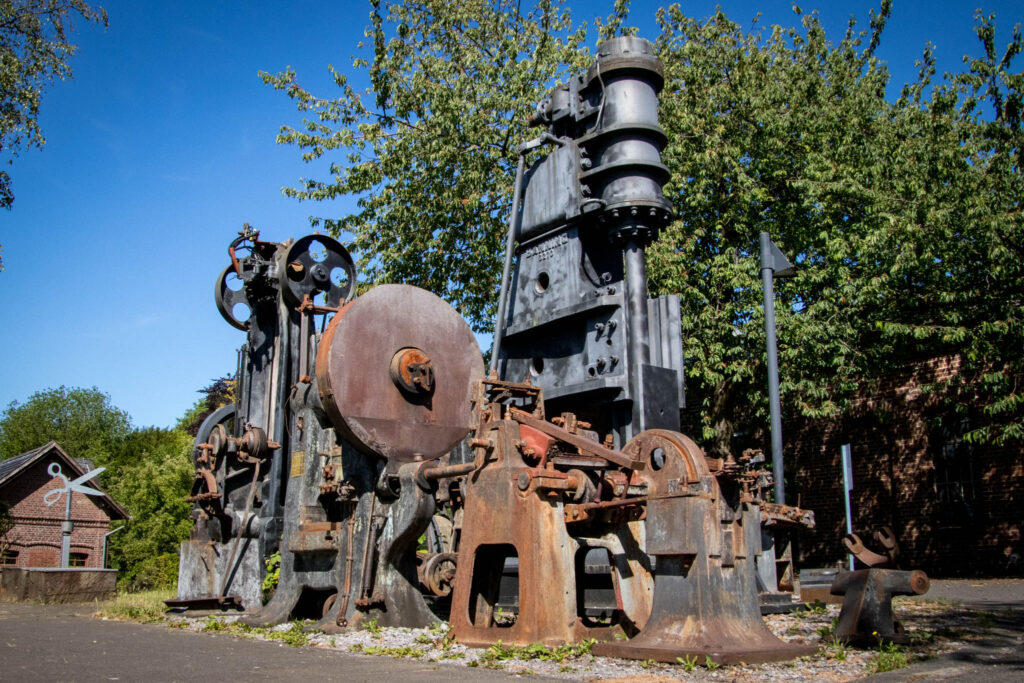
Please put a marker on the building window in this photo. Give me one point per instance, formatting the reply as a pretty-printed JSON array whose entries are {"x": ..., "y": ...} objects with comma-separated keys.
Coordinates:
[
  {"x": 954, "y": 475},
  {"x": 9, "y": 557},
  {"x": 77, "y": 559}
]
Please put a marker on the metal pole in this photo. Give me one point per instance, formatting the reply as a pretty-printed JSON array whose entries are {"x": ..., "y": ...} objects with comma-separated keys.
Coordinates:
[
  {"x": 66, "y": 528},
  {"x": 844, "y": 451},
  {"x": 636, "y": 295},
  {"x": 499, "y": 324},
  {"x": 109, "y": 533},
  {"x": 767, "y": 273},
  {"x": 639, "y": 344}
]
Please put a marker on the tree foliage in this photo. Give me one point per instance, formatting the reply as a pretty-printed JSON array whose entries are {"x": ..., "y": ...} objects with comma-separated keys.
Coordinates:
[
  {"x": 83, "y": 421},
  {"x": 903, "y": 216},
  {"x": 219, "y": 393},
  {"x": 430, "y": 148},
  {"x": 153, "y": 489},
  {"x": 34, "y": 52}
]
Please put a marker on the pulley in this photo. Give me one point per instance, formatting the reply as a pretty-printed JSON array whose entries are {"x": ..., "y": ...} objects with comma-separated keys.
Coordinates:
[
  {"x": 395, "y": 370},
  {"x": 229, "y": 293},
  {"x": 318, "y": 264}
]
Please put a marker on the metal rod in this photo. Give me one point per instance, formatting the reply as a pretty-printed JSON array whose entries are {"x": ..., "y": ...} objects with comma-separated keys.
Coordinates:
[
  {"x": 109, "y": 533},
  {"x": 65, "y": 540},
  {"x": 767, "y": 273},
  {"x": 844, "y": 451},
  {"x": 513, "y": 222},
  {"x": 639, "y": 345},
  {"x": 448, "y": 471}
]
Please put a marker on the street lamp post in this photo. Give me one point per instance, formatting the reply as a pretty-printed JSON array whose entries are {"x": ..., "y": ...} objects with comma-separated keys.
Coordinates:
[{"x": 773, "y": 264}]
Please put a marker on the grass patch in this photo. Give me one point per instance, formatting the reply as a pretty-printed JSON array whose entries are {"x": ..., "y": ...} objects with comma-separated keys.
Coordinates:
[
  {"x": 689, "y": 662},
  {"x": 397, "y": 651},
  {"x": 373, "y": 627},
  {"x": 833, "y": 647},
  {"x": 889, "y": 657},
  {"x": 293, "y": 635},
  {"x": 500, "y": 652},
  {"x": 144, "y": 606},
  {"x": 816, "y": 607}
]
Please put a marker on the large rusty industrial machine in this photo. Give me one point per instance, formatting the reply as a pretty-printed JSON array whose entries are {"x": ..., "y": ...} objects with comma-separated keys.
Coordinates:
[
  {"x": 579, "y": 339},
  {"x": 319, "y": 457},
  {"x": 344, "y": 442}
]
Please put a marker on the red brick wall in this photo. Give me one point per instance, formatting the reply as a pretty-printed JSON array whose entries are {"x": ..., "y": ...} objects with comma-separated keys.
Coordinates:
[
  {"x": 899, "y": 475},
  {"x": 36, "y": 535}
]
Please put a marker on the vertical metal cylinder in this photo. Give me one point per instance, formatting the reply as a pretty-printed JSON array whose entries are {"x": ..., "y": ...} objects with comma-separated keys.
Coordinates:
[
  {"x": 514, "y": 215},
  {"x": 767, "y": 273},
  {"x": 636, "y": 297}
]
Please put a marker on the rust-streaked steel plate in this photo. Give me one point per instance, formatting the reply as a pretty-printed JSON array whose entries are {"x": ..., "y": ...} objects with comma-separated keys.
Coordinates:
[{"x": 353, "y": 369}]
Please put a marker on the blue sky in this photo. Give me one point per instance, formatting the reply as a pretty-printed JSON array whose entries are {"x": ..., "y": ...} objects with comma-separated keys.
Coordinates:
[{"x": 163, "y": 145}]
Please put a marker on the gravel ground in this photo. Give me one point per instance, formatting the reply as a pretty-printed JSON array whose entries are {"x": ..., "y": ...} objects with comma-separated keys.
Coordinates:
[{"x": 936, "y": 626}]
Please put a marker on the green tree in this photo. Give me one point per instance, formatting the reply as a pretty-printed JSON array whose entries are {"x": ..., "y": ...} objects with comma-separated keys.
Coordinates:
[
  {"x": 34, "y": 52},
  {"x": 903, "y": 218},
  {"x": 149, "y": 471},
  {"x": 153, "y": 488},
  {"x": 83, "y": 421},
  {"x": 220, "y": 392},
  {"x": 430, "y": 148}
]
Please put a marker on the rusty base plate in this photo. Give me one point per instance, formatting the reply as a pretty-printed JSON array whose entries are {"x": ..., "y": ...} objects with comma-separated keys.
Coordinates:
[{"x": 718, "y": 653}]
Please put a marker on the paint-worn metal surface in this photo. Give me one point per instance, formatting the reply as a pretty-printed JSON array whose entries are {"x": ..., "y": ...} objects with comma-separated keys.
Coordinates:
[
  {"x": 320, "y": 457},
  {"x": 867, "y": 617},
  {"x": 547, "y": 494},
  {"x": 394, "y": 369},
  {"x": 343, "y": 445},
  {"x": 578, "y": 320},
  {"x": 242, "y": 450}
]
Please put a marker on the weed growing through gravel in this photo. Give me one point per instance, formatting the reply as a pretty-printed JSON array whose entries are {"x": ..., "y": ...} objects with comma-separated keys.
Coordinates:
[
  {"x": 985, "y": 620},
  {"x": 293, "y": 635},
  {"x": 396, "y": 651},
  {"x": 889, "y": 657},
  {"x": 817, "y": 607},
  {"x": 215, "y": 625},
  {"x": 824, "y": 632},
  {"x": 500, "y": 652},
  {"x": 689, "y": 662},
  {"x": 373, "y": 627},
  {"x": 833, "y": 648},
  {"x": 918, "y": 638}
]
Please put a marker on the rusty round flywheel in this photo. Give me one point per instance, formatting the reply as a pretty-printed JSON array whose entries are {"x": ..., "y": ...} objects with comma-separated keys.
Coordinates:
[{"x": 395, "y": 369}]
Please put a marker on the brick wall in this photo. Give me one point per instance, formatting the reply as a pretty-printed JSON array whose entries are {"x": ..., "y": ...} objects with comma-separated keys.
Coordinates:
[
  {"x": 954, "y": 507},
  {"x": 36, "y": 535}
]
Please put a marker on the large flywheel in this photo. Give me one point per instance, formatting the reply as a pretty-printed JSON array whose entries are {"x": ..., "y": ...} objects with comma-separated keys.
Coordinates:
[{"x": 395, "y": 370}]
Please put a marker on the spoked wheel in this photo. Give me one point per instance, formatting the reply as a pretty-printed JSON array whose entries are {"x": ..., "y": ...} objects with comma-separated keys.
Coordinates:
[{"x": 317, "y": 264}]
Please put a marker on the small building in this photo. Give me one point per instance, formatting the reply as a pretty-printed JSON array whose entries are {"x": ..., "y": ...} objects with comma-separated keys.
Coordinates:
[{"x": 34, "y": 540}]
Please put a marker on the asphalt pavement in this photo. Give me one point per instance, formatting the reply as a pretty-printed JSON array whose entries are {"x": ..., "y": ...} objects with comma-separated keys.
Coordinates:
[
  {"x": 64, "y": 643},
  {"x": 998, "y": 657}
]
